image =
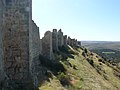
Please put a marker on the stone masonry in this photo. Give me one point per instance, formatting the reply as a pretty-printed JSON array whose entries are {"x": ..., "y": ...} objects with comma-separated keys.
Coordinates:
[
  {"x": 65, "y": 39},
  {"x": 35, "y": 48},
  {"x": 60, "y": 38},
  {"x": 79, "y": 43},
  {"x": 47, "y": 50},
  {"x": 16, "y": 22},
  {"x": 21, "y": 46},
  {"x": 55, "y": 40},
  {"x": 35, "y": 51},
  {"x": 1, "y": 43},
  {"x": 69, "y": 41},
  {"x": 52, "y": 40}
]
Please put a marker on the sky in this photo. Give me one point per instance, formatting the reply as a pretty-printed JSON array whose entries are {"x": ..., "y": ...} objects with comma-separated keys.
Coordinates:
[{"x": 94, "y": 20}]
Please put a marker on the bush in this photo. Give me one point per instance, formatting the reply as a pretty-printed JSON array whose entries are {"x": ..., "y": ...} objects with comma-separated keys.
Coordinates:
[
  {"x": 74, "y": 67},
  {"x": 90, "y": 61},
  {"x": 91, "y": 54},
  {"x": 83, "y": 54},
  {"x": 49, "y": 74},
  {"x": 64, "y": 79},
  {"x": 100, "y": 60},
  {"x": 85, "y": 50}
]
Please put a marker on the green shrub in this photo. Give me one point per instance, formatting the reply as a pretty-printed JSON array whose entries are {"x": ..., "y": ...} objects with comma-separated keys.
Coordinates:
[
  {"x": 83, "y": 54},
  {"x": 100, "y": 60},
  {"x": 64, "y": 79},
  {"x": 85, "y": 50},
  {"x": 90, "y": 61}
]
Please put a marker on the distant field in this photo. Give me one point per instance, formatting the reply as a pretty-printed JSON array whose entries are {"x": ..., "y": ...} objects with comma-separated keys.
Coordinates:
[{"x": 109, "y": 50}]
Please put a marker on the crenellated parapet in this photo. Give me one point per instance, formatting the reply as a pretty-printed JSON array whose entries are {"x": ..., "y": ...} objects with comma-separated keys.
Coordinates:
[
  {"x": 73, "y": 42},
  {"x": 53, "y": 40}
]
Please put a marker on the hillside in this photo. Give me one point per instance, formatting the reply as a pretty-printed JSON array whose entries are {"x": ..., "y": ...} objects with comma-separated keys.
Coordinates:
[{"x": 80, "y": 69}]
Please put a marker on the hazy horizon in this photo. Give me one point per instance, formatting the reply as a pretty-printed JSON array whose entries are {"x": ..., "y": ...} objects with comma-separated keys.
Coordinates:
[{"x": 86, "y": 20}]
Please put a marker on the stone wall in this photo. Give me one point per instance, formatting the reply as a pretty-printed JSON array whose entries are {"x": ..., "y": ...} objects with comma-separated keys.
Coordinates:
[
  {"x": 60, "y": 38},
  {"x": 1, "y": 43},
  {"x": 73, "y": 42},
  {"x": 52, "y": 40},
  {"x": 55, "y": 40},
  {"x": 79, "y": 43},
  {"x": 17, "y": 18},
  {"x": 35, "y": 42},
  {"x": 34, "y": 51},
  {"x": 69, "y": 41},
  {"x": 65, "y": 39},
  {"x": 76, "y": 42},
  {"x": 47, "y": 50},
  {"x": 20, "y": 43}
]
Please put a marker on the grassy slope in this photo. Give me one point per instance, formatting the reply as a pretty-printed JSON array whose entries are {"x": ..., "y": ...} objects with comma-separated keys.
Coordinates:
[{"x": 84, "y": 76}]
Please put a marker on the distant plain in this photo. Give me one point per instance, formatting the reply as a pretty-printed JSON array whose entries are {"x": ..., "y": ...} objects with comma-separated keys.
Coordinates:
[{"x": 107, "y": 49}]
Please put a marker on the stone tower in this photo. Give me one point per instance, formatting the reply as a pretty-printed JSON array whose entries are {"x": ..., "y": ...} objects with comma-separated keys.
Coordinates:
[
  {"x": 55, "y": 40},
  {"x": 60, "y": 38},
  {"x": 65, "y": 39},
  {"x": 16, "y": 24},
  {"x": 47, "y": 50},
  {"x": 69, "y": 41}
]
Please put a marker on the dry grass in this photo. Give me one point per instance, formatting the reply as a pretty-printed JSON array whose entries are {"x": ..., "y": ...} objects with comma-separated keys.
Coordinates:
[{"x": 86, "y": 76}]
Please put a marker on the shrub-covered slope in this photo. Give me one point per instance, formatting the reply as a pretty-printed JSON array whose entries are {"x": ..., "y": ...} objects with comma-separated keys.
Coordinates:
[{"x": 83, "y": 70}]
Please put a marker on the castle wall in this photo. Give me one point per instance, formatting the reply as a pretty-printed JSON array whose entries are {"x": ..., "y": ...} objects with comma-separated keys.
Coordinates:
[
  {"x": 35, "y": 51},
  {"x": 35, "y": 41},
  {"x": 1, "y": 43},
  {"x": 65, "y": 39},
  {"x": 60, "y": 38},
  {"x": 17, "y": 18},
  {"x": 47, "y": 50},
  {"x": 69, "y": 41},
  {"x": 72, "y": 42},
  {"x": 79, "y": 43},
  {"x": 20, "y": 43},
  {"x": 76, "y": 42},
  {"x": 55, "y": 40}
]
